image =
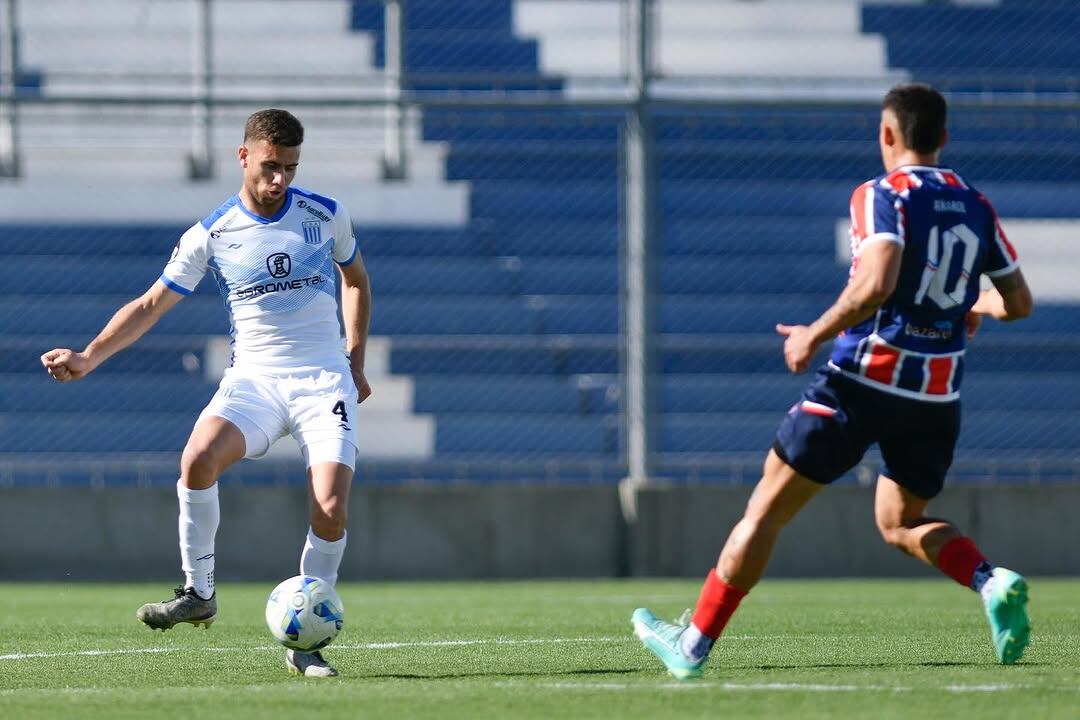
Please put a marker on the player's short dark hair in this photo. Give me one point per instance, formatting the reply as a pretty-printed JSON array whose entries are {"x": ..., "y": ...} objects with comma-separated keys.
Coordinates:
[
  {"x": 277, "y": 127},
  {"x": 920, "y": 112}
]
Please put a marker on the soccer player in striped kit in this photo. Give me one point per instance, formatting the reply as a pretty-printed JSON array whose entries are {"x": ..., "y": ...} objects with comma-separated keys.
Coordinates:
[
  {"x": 921, "y": 237},
  {"x": 276, "y": 253}
]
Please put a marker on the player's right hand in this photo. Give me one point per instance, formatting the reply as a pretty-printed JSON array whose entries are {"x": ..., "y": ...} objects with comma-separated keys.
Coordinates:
[
  {"x": 66, "y": 365},
  {"x": 799, "y": 347},
  {"x": 972, "y": 321}
]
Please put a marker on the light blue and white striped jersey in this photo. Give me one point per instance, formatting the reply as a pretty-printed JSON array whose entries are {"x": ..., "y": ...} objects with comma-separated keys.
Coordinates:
[{"x": 276, "y": 276}]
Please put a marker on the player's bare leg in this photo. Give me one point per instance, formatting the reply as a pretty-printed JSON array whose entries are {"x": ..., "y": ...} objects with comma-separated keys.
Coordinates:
[
  {"x": 684, "y": 646},
  {"x": 214, "y": 445},
  {"x": 778, "y": 497},
  {"x": 328, "y": 495},
  {"x": 901, "y": 518}
]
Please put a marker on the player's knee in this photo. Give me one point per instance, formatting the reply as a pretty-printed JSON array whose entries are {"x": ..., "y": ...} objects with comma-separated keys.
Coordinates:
[
  {"x": 893, "y": 533},
  {"x": 199, "y": 463}
]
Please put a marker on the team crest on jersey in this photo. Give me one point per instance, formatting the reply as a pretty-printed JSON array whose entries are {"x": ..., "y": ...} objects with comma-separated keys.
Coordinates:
[
  {"x": 279, "y": 265},
  {"x": 312, "y": 232}
]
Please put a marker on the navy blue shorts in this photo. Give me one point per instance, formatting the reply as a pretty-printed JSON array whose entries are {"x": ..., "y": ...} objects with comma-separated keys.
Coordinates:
[{"x": 827, "y": 433}]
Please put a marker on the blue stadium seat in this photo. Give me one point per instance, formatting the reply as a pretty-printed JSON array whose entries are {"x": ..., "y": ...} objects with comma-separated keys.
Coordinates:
[
  {"x": 61, "y": 433},
  {"x": 510, "y": 394},
  {"x": 422, "y": 241},
  {"x": 154, "y": 353},
  {"x": 89, "y": 239},
  {"x": 85, "y": 274},
  {"x": 502, "y": 358},
  {"x": 1007, "y": 350},
  {"x": 441, "y": 276},
  {"x": 112, "y": 392},
  {"x": 958, "y": 38},
  {"x": 87, "y": 314},
  {"x": 1049, "y": 431},
  {"x": 983, "y": 393},
  {"x": 523, "y": 435}
]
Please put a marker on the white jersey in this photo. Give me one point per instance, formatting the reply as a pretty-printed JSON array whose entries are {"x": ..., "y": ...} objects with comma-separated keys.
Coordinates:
[{"x": 276, "y": 276}]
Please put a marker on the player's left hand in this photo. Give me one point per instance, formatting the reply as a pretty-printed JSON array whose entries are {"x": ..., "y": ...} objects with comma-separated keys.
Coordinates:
[
  {"x": 972, "y": 321},
  {"x": 799, "y": 348},
  {"x": 363, "y": 389}
]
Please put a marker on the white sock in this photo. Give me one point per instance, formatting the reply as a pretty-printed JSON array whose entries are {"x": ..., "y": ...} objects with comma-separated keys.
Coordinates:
[
  {"x": 983, "y": 580},
  {"x": 199, "y": 516},
  {"x": 695, "y": 645},
  {"x": 322, "y": 558}
]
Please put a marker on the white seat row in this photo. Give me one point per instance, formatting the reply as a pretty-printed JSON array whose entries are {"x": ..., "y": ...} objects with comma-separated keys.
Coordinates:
[{"x": 765, "y": 38}]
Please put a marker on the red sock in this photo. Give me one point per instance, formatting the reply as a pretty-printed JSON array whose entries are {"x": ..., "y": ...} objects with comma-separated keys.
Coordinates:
[
  {"x": 958, "y": 559},
  {"x": 715, "y": 605}
]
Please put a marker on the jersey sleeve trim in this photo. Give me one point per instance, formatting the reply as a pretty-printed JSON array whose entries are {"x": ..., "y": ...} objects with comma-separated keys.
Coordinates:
[
  {"x": 355, "y": 250},
  {"x": 1013, "y": 267},
  {"x": 172, "y": 285},
  {"x": 222, "y": 209},
  {"x": 881, "y": 237}
]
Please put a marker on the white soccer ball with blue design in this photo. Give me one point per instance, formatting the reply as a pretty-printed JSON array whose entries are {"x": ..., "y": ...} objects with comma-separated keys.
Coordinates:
[{"x": 304, "y": 613}]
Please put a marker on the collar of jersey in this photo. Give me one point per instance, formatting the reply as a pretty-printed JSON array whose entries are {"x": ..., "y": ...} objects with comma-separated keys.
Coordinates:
[
  {"x": 932, "y": 168},
  {"x": 264, "y": 220}
]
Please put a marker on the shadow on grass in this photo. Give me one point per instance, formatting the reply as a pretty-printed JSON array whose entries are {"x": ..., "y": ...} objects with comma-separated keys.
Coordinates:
[
  {"x": 896, "y": 665},
  {"x": 494, "y": 674}
]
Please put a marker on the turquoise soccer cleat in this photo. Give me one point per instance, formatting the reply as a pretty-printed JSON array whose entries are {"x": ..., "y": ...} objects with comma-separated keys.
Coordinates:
[
  {"x": 1006, "y": 609},
  {"x": 662, "y": 640}
]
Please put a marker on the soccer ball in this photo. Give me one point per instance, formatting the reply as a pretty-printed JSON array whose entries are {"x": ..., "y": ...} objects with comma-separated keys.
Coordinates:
[{"x": 304, "y": 613}]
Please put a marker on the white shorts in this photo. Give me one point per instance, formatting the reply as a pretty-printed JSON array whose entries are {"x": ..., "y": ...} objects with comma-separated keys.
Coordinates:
[{"x": 318, "y": 409}]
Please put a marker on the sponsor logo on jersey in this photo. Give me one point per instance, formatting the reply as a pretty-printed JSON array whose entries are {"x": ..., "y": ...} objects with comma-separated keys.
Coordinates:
[
  {"x": 273, "y": 287},
  {"x": 312, "y": 232},
  {"x": 942, "y": 330},
  {"x": 279, "y": 265},
  {"x": 215, "y": 234},
  {"x": 956, "y": 206},
  {"x": 313, "y": 210}
]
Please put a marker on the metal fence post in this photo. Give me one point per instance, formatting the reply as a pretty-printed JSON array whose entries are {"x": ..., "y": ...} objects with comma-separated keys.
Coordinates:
[
  {"x": 200, "y": 160},
  {"x": 9, "y": 68},
  {"x": 638, "y": 300},
  {"x": 395, "y": 163}
]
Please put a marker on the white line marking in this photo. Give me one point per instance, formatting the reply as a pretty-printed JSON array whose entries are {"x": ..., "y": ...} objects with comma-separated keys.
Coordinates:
[
  {"x": 759, "y": 687},
  {"x": 342, "y": 646},
  {"x": 84, "y": 653}
]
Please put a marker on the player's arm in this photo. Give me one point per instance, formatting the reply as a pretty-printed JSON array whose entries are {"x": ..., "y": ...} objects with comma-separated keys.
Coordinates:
[
  {"x": 356, "y": 312},
  {"x": 1010, "y": 299},
  {"x": 128, "y": 324},
  {"x": 873, "y": 282}
]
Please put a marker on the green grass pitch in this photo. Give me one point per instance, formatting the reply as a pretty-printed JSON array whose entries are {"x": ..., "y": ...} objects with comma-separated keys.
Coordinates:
[{"x": 796, "y": 649}]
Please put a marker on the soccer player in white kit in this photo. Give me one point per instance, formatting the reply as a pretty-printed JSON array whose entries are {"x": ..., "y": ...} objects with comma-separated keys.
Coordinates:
[{"x": 272, "y": 249}]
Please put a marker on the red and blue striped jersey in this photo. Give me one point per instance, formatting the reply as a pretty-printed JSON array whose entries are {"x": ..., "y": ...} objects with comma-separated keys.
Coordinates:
[{"x": 914, "y": 344}]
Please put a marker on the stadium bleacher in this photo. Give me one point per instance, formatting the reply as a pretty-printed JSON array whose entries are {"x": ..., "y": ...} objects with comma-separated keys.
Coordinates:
[{"x": 508, "y": 325}]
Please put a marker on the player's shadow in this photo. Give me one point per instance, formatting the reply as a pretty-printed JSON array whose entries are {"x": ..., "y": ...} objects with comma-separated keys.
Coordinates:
[
  {"x": 826, "y": 666},
  {"x": 496, "y": 673}
]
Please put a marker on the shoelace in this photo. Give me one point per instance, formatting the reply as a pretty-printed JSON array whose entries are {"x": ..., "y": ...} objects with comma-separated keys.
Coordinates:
[{"x": 684, "y": 619}]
